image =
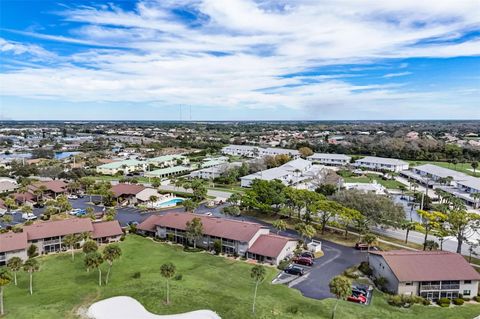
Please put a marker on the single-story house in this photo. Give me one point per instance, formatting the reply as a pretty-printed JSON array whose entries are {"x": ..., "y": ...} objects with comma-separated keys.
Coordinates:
[
  {"x": 382, "y": 163},
  {"x": 126, "y": 192}
]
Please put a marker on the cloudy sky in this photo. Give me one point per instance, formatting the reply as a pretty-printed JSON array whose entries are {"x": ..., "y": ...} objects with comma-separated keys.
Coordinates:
[{"x": 240, "y": 59}]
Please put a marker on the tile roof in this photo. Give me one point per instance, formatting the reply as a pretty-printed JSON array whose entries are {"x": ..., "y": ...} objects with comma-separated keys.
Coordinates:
[
  {"x": 126, "y": 189},
  {"x": 106, "y": 229},
  {"x": 428, "y": 265},
  {"x": 212, "y": 226},
  {"x": 41, "y": 230},
  {"x": 269, "y": 245},
  {"x": 149, "y": 223},
  {"x": 13, "y": 241},
  {"x": 56, "y": 186}
]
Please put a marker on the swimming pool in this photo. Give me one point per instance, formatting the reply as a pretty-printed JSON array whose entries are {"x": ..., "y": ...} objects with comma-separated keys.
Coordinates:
[{"x": 171, "y": 202}]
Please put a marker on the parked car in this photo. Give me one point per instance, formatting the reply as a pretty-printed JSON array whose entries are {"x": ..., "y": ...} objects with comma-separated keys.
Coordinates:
[
  {"x": 208, "y": 214},
  {"x": 357, "y": 299},
  {"x": 361, "y": 246},
  {"x": 29, "y": 216},
  {"x": 359, "y": 292},
  {"x": 359, "y": 289},
  {"x": 132, "y": 223},
  {"x": 307, "y": 261},
  {"x": 308, "y": 254},
  {"x": 294, "y": 270},
  {"x": 81, "y": 212},
  {"x": 72, "y": 196}
]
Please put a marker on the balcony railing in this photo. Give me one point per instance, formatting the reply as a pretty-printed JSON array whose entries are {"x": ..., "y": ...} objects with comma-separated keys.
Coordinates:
[
  {"x": 440, "y": 287},
  {"x": 51, "y": 242}
]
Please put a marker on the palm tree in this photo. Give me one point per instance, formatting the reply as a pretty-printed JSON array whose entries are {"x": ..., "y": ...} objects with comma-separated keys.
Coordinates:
[
  {"x": 408, "y": 226},
  {"x": 257, "y": 273},
  {"x": 168, "y": 271},
  {"x": 110, "y": 253},
  {"x": 341, "y": 287},
  {"x": 305, "y": 231},
  {"x": 474, "y": 166},
  {"x": 279, "y": 225},
  {"x": 5, "y": 279},
  {"x": 15, "y": 264},
  {"x": 370, "y": 239},
  {"x": 71, "y": 240},
  {"x": 153, "y": 199},
  {"x": 189, "y": 205},
  {"x": 90, "y": 247},
  {"x": 94, "y": 260},
  {"x": 31, "y": 266},
  {"x": 476, "y": 197}
]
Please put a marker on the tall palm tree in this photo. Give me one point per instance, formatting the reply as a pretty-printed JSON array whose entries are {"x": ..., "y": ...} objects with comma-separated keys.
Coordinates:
[
  {"x": 71, "y": 240},
  {"x": 341, "y": 287},
  {"x": 111, "y": 253},
  {"x": 152, "y": 199},
  {"x": 474, "y": 166},
  {"x": 369, "y": 239},
  {"x": 5, "y": 279},
  {"x": 476, "y": 197},
  {"x": 94, "y": 260},
  {"x": 257, "y": 273},
  {"x": 15, "y": 264},
  {"x": 31, "y": 266},
  {"x": 168, "y": 271}
]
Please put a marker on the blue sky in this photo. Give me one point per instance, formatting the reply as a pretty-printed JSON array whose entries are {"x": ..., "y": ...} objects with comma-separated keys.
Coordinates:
[{"x": 239, "y": 60}]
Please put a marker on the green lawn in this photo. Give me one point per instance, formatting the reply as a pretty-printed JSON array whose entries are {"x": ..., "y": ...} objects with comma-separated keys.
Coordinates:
[
  {"x": 209, "y": 282},
  {"x": 460, "y": 167}
]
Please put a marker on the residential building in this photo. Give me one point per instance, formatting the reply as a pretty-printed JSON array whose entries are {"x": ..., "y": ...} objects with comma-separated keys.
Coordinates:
[
  {"x": 7, "y": 185},
  {"x": 236, "y": 237},
  {"x": 241, "y": 150},
  {"x": 381, "y": 163},
  {"x": 290, "y": 173},
  {"x": 106, "y": 232},
  {"x": 330, "y": 159},
  {"x": 214, "y": 171},
  {"x": 168, "y": 160},
  {"x": 167, "y": 172},
  {"x": 458, "y": 184},
  {"x": 430, "y": 274},
  {"x": 51, "y": 188},
  {"x": 12, "y": 245},
  {"x": 125, "y": 167},
  {"x": 126, "y": 193}
]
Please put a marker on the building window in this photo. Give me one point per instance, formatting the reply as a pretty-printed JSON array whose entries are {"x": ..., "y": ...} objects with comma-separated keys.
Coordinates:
[
  {"x": 467, "y": 281},
  {"x": 409, "y": 283},
  {"x": 466, "y": 292}
]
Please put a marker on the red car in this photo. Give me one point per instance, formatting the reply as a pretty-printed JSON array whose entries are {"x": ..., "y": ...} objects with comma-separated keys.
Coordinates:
[
  {"x": 303, "y": 261},
  {"x": 357, "y": 299}
]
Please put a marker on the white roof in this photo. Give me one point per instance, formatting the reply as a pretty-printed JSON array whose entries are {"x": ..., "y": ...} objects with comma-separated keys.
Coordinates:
[
  {"x": 299, "y": 164},
  {"x": 269, "y": 174},
  {"x": 381, "y": 160},
  {"x": 441, "y": 171},
  {"x": 145, "y": 194},
  {"x": 471, "y": 182}
]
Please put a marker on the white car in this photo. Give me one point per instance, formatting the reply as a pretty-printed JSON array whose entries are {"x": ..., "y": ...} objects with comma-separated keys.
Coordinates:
[
  {"x": 29, "y": 216},
  {"x": 71, "y": 196},
  {"x": 75, "y": 211},
  {"x": 208, "y": 214}
]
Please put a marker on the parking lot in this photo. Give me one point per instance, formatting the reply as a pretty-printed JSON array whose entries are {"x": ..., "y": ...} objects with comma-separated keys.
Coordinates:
[
  {"x": 124, "y": 214},
  {"x": 314, "y": 283}
]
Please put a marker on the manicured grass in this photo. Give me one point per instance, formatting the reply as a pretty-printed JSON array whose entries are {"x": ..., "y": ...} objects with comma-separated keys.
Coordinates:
[
  {"x": 460, "y": 167},
  {"x": 209, "y": 282}
]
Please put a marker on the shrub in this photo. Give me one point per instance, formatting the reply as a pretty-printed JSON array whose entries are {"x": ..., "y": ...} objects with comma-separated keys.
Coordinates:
[
  {"x": 32, "y": 251},
  {"x": 443, "y": 302},
  {"x": 458, "y": 301},
  {"x": 406, "y": 301},
  {"x": 178, "y": 277},
  {"x": 476, "y": 298},
  {"x": 351, "y": 273},
  {"x": 381, "y": 283},
  {"x": 137, "y": 275},
  {"x": 466, "y": 299},
  {"x": 365, "y": 268},
  {"x": 217, "y": 247},
  {"x": 192, "y": 249},
  {"x": 283, "y": 264},
  {"x": 426, "y": 302},
  {"x": 122, "y": 238},
  {"x": 293, "y": 309}
]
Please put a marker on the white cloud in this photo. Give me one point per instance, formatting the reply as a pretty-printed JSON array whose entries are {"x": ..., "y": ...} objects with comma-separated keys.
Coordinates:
[{"x": 154, "y": 56}]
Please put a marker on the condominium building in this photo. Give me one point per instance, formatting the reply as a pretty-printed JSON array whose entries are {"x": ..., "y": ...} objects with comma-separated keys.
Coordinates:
[
  {"x": 255, "y": 151},
  {"x": 430, "y": 274},
  {"x": 125, "y": 166},
  {"x": 330, "y": 159},
  {"x": 381, "y": 163},
  {"x": 247, "y": 239}
]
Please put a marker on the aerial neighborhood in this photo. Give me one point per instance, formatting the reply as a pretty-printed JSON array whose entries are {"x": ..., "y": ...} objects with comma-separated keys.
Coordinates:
[{"x": 398, "y": 231}]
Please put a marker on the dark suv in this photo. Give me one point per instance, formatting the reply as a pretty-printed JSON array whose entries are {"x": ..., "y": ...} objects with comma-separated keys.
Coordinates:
[{"x": 294, "y": 270}]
